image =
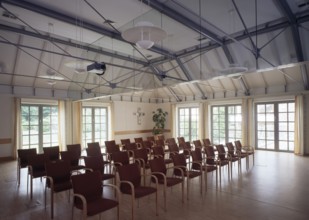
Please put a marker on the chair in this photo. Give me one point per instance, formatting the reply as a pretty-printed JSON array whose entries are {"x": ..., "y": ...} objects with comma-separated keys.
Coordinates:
[
  {"x": 247, "y": 150},
  {"x": 130, "y": 147},
  {"x": 52, "y": 153},
  {"x": 233, "y": 156},
  {"x": 98, "y": 164},
  {"x": 73, "y": 158},
  {"x": 158, "y": 151},
  {"x": 173, "y": 149},
  {"x": 130, "y": 183},
  {"x": 179, "y": 161},
  {"x": 223, "y": 156},
  {"x": 161, "y": 137},
  {"x": 88, "y": 190},
  {"x": 58, "y": 179},
  {"x": 199, "y": 164},
  {"x": 141, "y": 157},
  {"x": 211, "y": 159},
  {"x": 36, "y": 169},
  {"x": 22, "y": 161},
  {"x": 158, "y": 169}
]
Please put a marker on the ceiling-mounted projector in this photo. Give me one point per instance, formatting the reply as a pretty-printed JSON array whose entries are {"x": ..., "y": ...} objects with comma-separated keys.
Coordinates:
[{"x": 97, "y": 68}]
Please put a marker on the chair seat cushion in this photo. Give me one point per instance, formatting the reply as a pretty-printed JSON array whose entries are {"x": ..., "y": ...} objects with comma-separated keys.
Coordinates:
[
  {"x": 210, "y": 168},
  {"x": 193, "y": 174},
  {"x": 63, "y": 186},
  {"x": 96, "y": 206},
  {"x": 171, "y": 181},
  {"x": 141, "y": 191}
]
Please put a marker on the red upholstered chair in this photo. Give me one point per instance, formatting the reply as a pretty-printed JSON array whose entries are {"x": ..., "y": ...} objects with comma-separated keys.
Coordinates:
[
  {"x": 126, "y": 141},
  {"x": 179, "y": 161},
  {"x": 130, "y": 183},
  {"x": 36, "y": 168},
  {"x": 199, "y": 164},
  {"x": 158, "y": 169},
  {"x": 212, "y": 159},
  {"x": 159, "y": 142},
  {"x": 148, "y": 145},
  {"x": 151, "y": 139},
  {"x": 171, "y": 141},
  {"x": 233, "y": 155},
  {"x": 58, "y": 179},
  {"x": 52, "y": 153},
  {"x": 223, "y": 156},
  {"x": 245, "y": 150},
  {"x": 141, "y": 157},
  {"x": 22, "y": 161},
  {"x": 88, "y": 195}
]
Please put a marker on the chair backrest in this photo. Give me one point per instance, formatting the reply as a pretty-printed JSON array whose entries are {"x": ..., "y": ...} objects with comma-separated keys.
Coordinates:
[
  {"x": 125, "y": 141},
  {"x": 170, "y": 141},
  {"x": 161, "y": 137},
  {"x": 151, "y": 139},
  {"x": 207, "y": 142},
  {"x": 121, "y": 157},
  {"x": 71, "y": 156},
  {"x": 37, "y": 162},
  {"x": 158, "y": 165},
  {"x": 52, "y": 153},
  {"x": 230, "y": 148},
  {"x": 210, "y": 153},
  {"x": 141, "y": 153},
  {"x": 196, "y": 157},
  {"x": 186, "y": 146},
  {"x": 94, "y": 149},
  {"x": 95, "y": 163},
  {"x": 197, "y": 144},
  {"x": 160, "y": 142},
  {"x": 173, "y": 148},
  {"x": 221, "y": 151},
  {"x": 111, "y": 147},
  {"x": 129, "y": 172},
  {"x": 181, "y": 140},
  {"x": 179, "y": 160},
  {"x": 147, "y": 144},
  {"x": 23, "y": 155},
  {"x": 158, "y": 151},
  {"x": 75, "y": 147},
  {"x": 130, "y": 146},
  {"x": 60, "y": 171},
  {"x": 89, "y": 185},
  {"x": 238, "y": 145},
  {"x": 139, "y": 141}
]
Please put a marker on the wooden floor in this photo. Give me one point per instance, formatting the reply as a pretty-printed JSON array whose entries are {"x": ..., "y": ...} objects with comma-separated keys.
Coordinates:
[{"x": 277, "y": 187}]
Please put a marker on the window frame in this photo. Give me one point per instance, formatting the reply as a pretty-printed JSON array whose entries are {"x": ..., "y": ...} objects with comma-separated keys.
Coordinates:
[{"x": 190, "y": 137}]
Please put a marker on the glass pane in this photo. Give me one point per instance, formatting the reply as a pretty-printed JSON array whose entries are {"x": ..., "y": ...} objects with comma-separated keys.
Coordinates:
[
  {"x": 282, "y": 107},
  {"x": 261, "y": 108},
  {"x": 270, "y": 145},
  {"x": 283, "y": 145}
]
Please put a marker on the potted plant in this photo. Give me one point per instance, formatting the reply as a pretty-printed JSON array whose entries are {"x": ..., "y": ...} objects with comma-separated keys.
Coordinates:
[{"x": 159, "y": 118}]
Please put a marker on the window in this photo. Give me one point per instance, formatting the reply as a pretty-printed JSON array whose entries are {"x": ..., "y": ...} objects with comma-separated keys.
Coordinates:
[
  {"x": 94, "y": 125},
  {"x": 275, "y": 126},
  {"x": 225, "y": 123},
  {"x": 39, "y": 125},
  {"x": 188, "y": 120}
]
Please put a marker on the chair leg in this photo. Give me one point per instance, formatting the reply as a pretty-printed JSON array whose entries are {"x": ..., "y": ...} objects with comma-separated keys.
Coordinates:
[
  {"x": 157, "y": 212},
  {"x": 133, "y": 199},
  {"x": 31, "y": 186},
  {"x": 18, "y": 174}
]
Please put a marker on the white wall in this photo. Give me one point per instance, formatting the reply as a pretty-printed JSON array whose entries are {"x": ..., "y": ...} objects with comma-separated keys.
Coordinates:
[{"x": 125, "y": 123}]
